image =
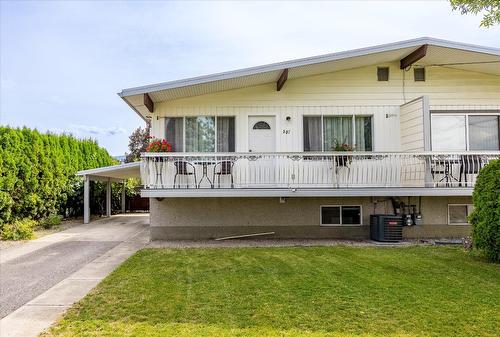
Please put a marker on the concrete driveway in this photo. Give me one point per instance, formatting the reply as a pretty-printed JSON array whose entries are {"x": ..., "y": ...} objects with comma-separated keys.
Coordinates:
[{"x": 40, "y": 279}]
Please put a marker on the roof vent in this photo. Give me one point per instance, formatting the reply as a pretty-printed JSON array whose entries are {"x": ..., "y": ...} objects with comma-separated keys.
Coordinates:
[
  {"x": 383, "y": 73},
  {"x": 419, "y": 74}
]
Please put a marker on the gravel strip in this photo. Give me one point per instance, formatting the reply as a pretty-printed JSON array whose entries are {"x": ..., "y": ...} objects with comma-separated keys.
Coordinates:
[{"x": 277, "y": 243}]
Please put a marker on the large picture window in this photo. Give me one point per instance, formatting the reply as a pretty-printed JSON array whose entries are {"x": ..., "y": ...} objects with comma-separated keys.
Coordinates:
[
  {"x": 321, "y": 132},
  {"x": 462, "y": 132},
  {"x": 201, "y": 133}
]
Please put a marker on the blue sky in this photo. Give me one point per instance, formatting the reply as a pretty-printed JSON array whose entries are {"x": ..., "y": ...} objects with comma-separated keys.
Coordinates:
[{"x": 62, "y": 63}]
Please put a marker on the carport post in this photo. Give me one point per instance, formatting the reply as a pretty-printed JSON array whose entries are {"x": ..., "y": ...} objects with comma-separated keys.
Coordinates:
[
  {"x": 108, "y": 198},
  {"x": 123, "y": 197},
  {"x": 86, "y": 199}
]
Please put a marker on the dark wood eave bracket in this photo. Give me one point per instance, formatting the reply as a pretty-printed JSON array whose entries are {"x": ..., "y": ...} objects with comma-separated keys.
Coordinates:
[
  {"x": 282, "y": 79},
  {"x": 413, "y": 57},
  {"x": 148, "y": 102}
]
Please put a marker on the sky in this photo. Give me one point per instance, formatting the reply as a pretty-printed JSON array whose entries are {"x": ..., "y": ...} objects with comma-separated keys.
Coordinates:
[{"x": 62, "y": 63}]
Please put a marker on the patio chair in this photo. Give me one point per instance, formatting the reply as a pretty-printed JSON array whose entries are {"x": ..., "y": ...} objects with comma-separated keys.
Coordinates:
[
  {"x": 224, "y": 167},
  {"x": 184, "y": 168},
  {"x": 469, "y": 165}
]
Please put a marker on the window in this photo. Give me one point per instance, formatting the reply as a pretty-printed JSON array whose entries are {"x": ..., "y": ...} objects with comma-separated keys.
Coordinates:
[
  {"x": 261, "y": 126},
  {"x": 312, "y": 134},
  {"x": 201, "y": 134},
  {"x": 448, "y": 133},
  {"x": 341, "y": 215},
  {"x": 336, "y": 130},
  {"x": 225, "y": 134},
  {"x": 419, "y": 74},
  {"x": 461, "y": 132},
  {"x": 322, "y": 132},
  {"x": 457, "y": 214},
  {"x": 175, "y": 133},
  {"x": 483, "y": 133},
  {"x": 383, "y": 73}
]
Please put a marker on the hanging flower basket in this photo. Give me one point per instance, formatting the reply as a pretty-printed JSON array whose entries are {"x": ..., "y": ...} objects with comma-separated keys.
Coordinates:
[{"x": 159, "y": 145}]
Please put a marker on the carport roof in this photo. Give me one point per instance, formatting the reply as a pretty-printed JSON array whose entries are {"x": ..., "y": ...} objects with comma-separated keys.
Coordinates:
[{"x": 122, "y": 171}]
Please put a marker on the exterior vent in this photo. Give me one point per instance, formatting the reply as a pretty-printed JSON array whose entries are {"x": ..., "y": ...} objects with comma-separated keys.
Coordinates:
[
  {"x": 419, "y": 74},
  {"x": 386, "y": 228},
  {"x": 383, "y": 73}
]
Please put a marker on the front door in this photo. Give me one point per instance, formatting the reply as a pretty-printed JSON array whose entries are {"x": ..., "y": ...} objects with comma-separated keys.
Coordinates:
[
  {"x": 262, "y": 138},
  {"x": 261, "y": 134}
]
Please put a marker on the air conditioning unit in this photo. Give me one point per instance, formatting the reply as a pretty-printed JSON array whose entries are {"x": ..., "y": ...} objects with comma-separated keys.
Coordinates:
[{"x": 386, "y": 228}]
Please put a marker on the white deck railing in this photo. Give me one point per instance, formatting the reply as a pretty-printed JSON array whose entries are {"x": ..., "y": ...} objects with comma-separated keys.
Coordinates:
[{"x": 312, "y": 170}]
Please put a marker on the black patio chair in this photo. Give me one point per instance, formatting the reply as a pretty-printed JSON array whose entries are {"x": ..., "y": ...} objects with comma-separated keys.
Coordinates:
[
  {"x": 184, "y": 168},
  {"x": 469, "y": 165},
  {"x": 225, "y": 167}
]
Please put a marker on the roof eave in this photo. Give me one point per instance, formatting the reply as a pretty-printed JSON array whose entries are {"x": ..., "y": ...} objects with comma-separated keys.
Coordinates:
[{"x": 307, "y": 61}]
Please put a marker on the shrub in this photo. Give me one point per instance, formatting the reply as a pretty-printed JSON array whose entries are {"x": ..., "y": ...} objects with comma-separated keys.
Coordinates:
[
  {"x": 485, "y": 218},
  {"x": 18, "y": 230},
  {"x": 51, "y": 221}
]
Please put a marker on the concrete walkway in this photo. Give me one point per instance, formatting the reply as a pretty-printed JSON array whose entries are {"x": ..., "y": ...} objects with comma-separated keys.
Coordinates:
[{"x": 39, "y": 280}]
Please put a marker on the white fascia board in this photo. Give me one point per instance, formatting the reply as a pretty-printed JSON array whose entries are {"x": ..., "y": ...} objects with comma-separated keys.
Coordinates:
[
  {"x": 307, "y": 61},
  {"x": 113, "y": 168},
  {"x": 302, "y": 192}
]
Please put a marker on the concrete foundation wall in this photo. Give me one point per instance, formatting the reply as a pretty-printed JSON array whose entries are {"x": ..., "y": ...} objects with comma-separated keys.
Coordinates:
[{"x": 206, "y": 218}]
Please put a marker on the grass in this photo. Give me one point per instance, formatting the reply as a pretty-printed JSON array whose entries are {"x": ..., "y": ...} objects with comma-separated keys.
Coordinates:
[{"x": 316, "y": 291}]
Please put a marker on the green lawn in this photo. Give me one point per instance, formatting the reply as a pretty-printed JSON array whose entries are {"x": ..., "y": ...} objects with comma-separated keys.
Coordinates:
[{"x": 317, "y": 291}]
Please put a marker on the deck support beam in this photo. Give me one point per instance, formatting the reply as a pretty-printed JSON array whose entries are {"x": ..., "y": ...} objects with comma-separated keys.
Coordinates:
[
  {"x": 86, "y": 199},
  {"x": 413, "y": 57},
  {"x": 148, "y": 102},
  {"x": 282, "y": 79}
]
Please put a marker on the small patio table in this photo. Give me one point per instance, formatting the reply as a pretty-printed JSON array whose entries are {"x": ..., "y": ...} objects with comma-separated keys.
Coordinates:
[
  {"x": 447, "y": 173},
  {"x": 204, "y": 164}
]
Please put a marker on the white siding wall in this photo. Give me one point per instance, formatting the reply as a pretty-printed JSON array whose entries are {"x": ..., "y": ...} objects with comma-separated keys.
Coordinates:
[{"x": 347, "y": 92}]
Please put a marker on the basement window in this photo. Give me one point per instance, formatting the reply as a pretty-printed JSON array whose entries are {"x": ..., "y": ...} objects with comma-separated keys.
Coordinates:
[
  {"x": 419, "y": 74},
  {"x": 340, "y": 215},
  {"x": 383, "y": 73},
  {"x": 457, "y": 214}
]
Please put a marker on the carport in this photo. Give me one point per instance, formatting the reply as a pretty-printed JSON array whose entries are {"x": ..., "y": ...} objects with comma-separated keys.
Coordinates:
[{"x": 109, "y": 174}]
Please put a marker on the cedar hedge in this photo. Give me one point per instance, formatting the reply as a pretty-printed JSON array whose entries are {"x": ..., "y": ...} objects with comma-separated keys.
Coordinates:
[
  {"x": 485, "y": 218},
  {"x": 37, "y": 174}
]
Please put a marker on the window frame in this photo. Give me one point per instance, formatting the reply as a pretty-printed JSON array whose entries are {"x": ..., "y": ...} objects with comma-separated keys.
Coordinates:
[
  {"x": 353, "y": 121},
  {"x": 341, "y": 224},
  {"x": 466, "y": 114},
  {"x": 470, "y": 208},
  {"x": 216, "y": 117}
]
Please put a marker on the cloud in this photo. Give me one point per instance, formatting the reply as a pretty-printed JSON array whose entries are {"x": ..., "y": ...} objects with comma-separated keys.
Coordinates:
[{"x": 93, "y": 131}]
